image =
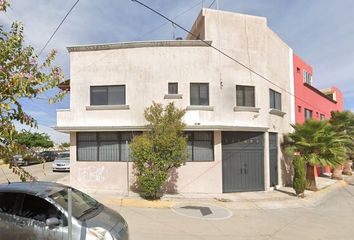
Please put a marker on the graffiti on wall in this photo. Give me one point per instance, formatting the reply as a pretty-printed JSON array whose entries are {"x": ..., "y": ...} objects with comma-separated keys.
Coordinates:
[{"x": 91, "y": 174}]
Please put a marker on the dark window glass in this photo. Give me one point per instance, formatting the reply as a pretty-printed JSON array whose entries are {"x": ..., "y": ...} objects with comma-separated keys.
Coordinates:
[
  {"x": 275, "y": 99},
  {"x": 7, "y": 202},
  {"x": 299, "y": 108},
  {"x": 104, "y": 146},
  {"x": 107, "y": 95},
  {"x": 82, "y": 204},
  {"x": 245, "y": 96},
  {"x": 200, "y": 146},
  {"x": 172, "y": 88},
  {"x": 308, "y": 114},
  {"x": 199, "y": 93},
  {"x": 38, "y": 209}
]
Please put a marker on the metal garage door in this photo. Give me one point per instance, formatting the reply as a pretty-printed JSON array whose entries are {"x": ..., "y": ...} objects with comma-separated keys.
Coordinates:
[
  {"x": 273, "y": 159},
  {"x": 242, "y": 161}
]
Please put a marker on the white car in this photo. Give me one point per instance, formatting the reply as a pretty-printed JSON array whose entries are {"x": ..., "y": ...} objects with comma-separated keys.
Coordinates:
[{"x": 62, "y": 162}]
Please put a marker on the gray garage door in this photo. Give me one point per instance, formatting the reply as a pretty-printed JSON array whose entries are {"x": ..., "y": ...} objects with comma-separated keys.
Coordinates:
[{"x": 242, "y": 161}]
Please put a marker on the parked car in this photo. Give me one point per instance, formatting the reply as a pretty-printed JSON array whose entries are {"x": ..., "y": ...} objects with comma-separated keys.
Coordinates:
[
  {"x": 39, "y": 210},
  {"x": 20, "y": 159},
  {"x": 62, "y": 162},
  {"x": 48, "y": 156}
]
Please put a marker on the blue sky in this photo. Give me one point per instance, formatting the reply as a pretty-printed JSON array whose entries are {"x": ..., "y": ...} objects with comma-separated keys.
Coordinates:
[{"x": 320, "y": 31}]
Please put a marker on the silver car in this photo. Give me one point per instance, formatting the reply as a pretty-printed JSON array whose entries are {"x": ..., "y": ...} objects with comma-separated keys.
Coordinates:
[
  {"x": 38, "y": 210},
  {"x": 61, "y": 162}
]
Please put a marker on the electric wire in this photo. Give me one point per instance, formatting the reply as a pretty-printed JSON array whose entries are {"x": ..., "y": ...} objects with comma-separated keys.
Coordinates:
[
  {"x": 224, "y": 53},
  {"x": 56, "y": 30}
]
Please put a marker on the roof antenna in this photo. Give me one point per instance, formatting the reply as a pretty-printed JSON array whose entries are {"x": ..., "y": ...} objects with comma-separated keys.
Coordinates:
[{"x": 5, "y": 176}]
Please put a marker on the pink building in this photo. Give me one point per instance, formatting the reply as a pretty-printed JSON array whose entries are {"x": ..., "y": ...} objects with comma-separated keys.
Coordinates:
[{"x": 311, "y": 102}]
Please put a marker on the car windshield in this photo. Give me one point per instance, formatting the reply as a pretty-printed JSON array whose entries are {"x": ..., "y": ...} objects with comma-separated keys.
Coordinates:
[
  {"x": 81, "y": 202},
  {"x": 64, "y": 155}
]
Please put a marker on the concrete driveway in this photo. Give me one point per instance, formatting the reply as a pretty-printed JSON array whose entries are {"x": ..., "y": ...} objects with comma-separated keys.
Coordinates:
[
  {"x": 332, "y": 219},
  {"x": 42, "y": 171}
]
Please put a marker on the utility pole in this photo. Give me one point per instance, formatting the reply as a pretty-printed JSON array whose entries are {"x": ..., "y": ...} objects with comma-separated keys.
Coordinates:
[{"x": 70, "y": 213}]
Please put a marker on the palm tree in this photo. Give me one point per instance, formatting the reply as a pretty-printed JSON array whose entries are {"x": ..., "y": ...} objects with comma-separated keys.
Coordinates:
[
  {"x": 343, "y": 123},
  {"x": 318, "y": 144}
]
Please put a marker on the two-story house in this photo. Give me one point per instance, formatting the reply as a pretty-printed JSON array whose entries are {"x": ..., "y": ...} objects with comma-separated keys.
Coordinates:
[{"x": 235, "y": 117}]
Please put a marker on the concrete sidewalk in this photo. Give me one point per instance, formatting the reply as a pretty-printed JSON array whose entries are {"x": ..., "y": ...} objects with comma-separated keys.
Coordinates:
[{"x": 276, "y": 199}]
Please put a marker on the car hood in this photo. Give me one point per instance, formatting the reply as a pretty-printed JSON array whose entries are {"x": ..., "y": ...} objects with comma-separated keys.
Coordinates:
[
  {"x": 107, "y": 219},
  {"x": 62, "y": 161}
]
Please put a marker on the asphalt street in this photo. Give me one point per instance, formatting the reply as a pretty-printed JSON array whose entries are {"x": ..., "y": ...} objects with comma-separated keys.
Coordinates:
[
  {"x": 333, "y": 219},
  {"x": 43, "y": 172}
]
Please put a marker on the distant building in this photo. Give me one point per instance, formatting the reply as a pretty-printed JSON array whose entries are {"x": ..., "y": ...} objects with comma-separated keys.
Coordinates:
[{"x": 235, "y": 118}]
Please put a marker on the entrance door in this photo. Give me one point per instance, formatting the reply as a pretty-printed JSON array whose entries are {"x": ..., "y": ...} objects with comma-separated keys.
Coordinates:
[
  {"x": 273, "y": 159},
  {"x": 242, "y": 161}
]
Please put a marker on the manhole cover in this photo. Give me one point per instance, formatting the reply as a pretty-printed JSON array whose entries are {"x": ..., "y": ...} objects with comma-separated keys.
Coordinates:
[{"x": 201, "y": 211}]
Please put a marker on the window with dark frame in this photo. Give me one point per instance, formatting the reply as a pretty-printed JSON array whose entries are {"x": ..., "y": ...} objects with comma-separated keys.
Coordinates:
[
  {"x": 107, "y": 95},
  {"x": 172, "y": 88},
  {"x": 104, "y": 146},
  {"x": 308, "y": 114},
  {"x": 322, "y": 117},
  {"x": 200, "y": 146},
  {"x": 299, "y": 108},
  {"x": 245, "y": 96},
  {"x": 199, "y": 94},
  {"x": 275, "y": 99}
]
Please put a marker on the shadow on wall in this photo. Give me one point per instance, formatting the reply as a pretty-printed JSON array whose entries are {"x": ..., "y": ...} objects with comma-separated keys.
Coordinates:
[{"x": 287, "y": 170}]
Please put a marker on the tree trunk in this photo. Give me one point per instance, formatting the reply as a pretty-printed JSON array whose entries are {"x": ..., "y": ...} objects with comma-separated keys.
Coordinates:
[
  {"x": 347, "y": 169},
  {"x": 311, "y": 178},
  {"x": 337, "y": 173}
]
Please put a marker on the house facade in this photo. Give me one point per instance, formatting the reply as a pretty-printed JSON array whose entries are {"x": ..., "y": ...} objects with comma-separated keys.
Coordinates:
[
  {"x": 310, "y": 102},
  {"x": 235, "y": 117}
]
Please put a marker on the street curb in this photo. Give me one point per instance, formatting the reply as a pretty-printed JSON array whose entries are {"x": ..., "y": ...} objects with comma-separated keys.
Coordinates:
[{"x": 313, "y": 200}]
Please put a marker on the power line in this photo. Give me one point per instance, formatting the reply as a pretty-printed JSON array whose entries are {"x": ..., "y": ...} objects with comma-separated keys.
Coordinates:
[
  {"x": 55, "y": 31},
  {"x": 223, "y": 53},
  {"x": 211, "y": 4},
  {"x": 163, "y": 24}
]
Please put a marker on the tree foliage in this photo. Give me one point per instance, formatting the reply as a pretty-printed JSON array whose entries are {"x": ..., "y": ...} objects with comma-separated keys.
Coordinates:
[
  {"x": 316, "y": 143},
  {"x": 299, "y": 182},
  {"x": 22, "y": 76},
  {"x": 160, "y": 149},
  {"x": 33, "y": 139}
]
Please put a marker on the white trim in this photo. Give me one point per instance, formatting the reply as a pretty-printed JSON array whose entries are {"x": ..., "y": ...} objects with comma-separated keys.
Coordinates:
[{"x": 292, "y": 86}]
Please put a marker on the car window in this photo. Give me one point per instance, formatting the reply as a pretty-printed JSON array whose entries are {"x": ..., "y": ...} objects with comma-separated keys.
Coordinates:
[
  {"x": 38, "y": 209},
  {"x": 7, "y": 202},
  {"x": 63, "y": 155},
  {"x": 81, "y": 202}
]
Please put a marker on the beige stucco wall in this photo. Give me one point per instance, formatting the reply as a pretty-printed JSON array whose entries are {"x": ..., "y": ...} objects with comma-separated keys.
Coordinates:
[{"x": 146, "y": 72}]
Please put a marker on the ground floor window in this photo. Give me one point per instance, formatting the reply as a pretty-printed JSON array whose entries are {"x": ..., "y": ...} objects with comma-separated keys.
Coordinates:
[
  {"x": 200, "y": 146},
  {"x": 104, "y": 146}
]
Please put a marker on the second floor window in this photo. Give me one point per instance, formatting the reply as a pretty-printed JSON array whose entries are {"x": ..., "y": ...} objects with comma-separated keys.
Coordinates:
[
  {"x": 173, "y": 88},
  {"x": 308, "y": 114},
  {"x": 307, "y": 78},
  {"x": 107, "y": 95},
  {"x": 200, "y": 94},
  {"x": 245, "y": 96},
  {"x": 275, "y": 99}
]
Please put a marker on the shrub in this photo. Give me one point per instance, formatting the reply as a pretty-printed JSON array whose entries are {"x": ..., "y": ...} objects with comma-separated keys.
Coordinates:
[{"x": 299, "y": 183}]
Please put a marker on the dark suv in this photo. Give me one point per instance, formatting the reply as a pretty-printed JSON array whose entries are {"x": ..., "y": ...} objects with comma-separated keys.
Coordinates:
[
  {"x": 38, "y": 210},
  {"x": 48, "y": 156}
]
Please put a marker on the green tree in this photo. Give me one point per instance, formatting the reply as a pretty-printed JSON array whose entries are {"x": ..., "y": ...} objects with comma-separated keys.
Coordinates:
[
  {"x": 22, "y": 76},
  {"x": 64, "y": 145},
  {"x": 317, "y": 144},
  {"x": 343, "y": 123},
  {"x": 33, "y": 139},
  {"x": 160, "y": 149}
]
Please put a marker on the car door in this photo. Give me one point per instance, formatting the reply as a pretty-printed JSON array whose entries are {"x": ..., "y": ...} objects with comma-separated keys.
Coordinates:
[
  {"x": 31, "y": 221},
  {"x": 7, "y": 217}
]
